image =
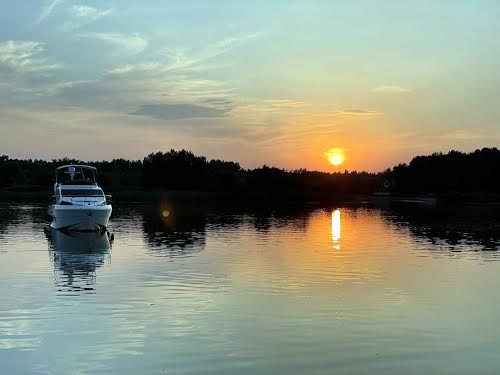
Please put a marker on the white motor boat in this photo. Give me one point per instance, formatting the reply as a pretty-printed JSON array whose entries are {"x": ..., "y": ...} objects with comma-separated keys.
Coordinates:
[{"x": 78, "y": 203}]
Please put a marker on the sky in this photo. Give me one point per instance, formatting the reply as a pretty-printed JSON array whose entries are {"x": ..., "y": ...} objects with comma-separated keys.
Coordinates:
[{"x": 261, "y": 82}]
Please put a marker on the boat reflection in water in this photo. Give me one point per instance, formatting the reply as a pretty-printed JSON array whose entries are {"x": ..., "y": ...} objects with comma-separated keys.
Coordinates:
[
  {"x": 336, "y": 229},
  {"x": 76, "y": 257}
]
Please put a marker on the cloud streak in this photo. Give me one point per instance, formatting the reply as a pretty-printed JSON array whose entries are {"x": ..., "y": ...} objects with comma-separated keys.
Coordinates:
[
  {"x": 131, "y": 43},
  {"x": 168, "y": 80},
  {"x": 83, "y": 15},
  {"x": 464, "y": 135},
  {"x": 286, "y": 103},
  {"x": 47, "y": 10},
  {"x": 24, "y": 57},
  {"x": 390, "y": 90},
  {"x": 165, "y": 111},
  {"x": 178, "y": 59},
  {"x": 356, "y": 113}
]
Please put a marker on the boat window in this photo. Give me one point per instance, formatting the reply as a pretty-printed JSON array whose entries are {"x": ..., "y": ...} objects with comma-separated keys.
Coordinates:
[{"x": 82, "y": 193}]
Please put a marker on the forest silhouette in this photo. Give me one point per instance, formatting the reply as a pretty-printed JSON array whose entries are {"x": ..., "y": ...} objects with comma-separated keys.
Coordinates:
[{"x": 439, "y": 173}]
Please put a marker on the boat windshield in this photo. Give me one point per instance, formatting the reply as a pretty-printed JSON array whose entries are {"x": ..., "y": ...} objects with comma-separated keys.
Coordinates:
[
  {"x": 75, "y": 175},
  {"x": 82, "y": 193}
]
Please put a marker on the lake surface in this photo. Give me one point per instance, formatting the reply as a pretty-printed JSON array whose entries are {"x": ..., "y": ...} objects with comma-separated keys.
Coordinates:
[{"x": 179, "y": 290}]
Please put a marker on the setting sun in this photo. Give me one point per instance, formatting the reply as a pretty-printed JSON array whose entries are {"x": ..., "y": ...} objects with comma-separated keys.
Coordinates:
[{"x": 335, "y": 156}]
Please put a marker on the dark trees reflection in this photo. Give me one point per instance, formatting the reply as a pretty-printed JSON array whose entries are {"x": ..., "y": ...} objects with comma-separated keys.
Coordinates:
[
  {"x": 174, "y": 232},
  {"x": 455, "y": 228},
  {"x": 180, "y": 229}
]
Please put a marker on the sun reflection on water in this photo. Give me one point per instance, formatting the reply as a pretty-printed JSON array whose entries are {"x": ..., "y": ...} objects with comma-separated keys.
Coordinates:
[{"x": 336, "y": 228}]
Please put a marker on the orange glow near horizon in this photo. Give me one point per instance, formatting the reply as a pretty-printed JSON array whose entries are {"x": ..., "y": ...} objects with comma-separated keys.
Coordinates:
[{"x": 335, "y": 156}]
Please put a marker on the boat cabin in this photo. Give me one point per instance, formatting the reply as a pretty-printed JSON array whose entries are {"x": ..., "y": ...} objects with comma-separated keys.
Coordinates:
[
  {"x": 76, "y": 175},
  {"x": 76, "y": 184}
]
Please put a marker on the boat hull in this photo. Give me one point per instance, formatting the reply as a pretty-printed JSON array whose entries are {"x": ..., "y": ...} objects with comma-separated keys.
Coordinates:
[{"x": 80, "y": 218}]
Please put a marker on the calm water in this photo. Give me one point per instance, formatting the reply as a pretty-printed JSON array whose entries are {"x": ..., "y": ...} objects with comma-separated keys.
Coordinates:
[{"x": 320, "y": 291}]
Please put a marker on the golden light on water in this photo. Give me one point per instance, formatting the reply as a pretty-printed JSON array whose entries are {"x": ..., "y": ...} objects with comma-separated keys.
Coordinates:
[
  {"x": 336, "y": 228},
  {"x": 335, "y": 156}
]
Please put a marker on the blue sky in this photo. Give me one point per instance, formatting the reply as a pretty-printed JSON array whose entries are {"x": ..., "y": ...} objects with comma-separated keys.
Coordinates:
[{"x": 275, "y": 82}]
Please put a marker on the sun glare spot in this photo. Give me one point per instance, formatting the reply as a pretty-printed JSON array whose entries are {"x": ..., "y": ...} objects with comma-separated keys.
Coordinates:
[
  {"x": 335, "y": 225},
  {"x": 336, "y": 228},
  {"x": 335, "y": 156}
]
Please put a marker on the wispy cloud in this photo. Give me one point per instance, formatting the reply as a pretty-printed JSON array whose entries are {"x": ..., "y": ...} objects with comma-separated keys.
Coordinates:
[
  {"x": 285, "y": 103},
  {"x": 120, "y": 93},
  {"x": 390, "y": 90},
  {"x": 85, "y": 11},
  {"x": 170, "y": 79},
  {"x": 281, "y": 124},
  {"x": 180, "y": 59},
  {"x": 82, "y": 15},
  {"x": 356, "y": 113},
  {"x": 225, "y": 45},
  {"x": 132, "y": 43},
  {"x": 24, "y": 57},
  {"x": 464, "y": 135},
  {"x": 317, "y": 124},
  {"x": 164, "y": 111},
  {"x": 133, "y": 68},
  {"x": 175, "y": 87},
  {"x": 47, "y": 10}
]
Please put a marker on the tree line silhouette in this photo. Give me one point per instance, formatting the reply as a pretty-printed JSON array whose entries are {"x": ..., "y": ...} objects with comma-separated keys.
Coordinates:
[
  {"x": 475, "y": 172},
  {"x": 182, "y": 170}
]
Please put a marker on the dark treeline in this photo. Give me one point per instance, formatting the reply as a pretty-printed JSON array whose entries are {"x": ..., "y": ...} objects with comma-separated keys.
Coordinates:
[
  {"x": 475, "y": 172},
  {"x": 36, "y": 175},
  {"x": 182, "y": 170},
  {"x": 478, "y": 171}
]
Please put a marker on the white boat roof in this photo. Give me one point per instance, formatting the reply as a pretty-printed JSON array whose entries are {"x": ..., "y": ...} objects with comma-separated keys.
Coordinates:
[
  {"x": 80, "y": 187},
  {"x": 76, "y": 166}
]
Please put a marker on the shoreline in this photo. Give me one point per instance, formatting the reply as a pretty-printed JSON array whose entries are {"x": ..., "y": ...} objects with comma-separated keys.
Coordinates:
[
  {"x": 273, "y": 198},
  {"x": 148, "y": 196}
]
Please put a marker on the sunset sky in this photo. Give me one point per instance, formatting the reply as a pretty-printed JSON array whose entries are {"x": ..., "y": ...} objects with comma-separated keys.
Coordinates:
[{"x": 260, "y": 82}]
